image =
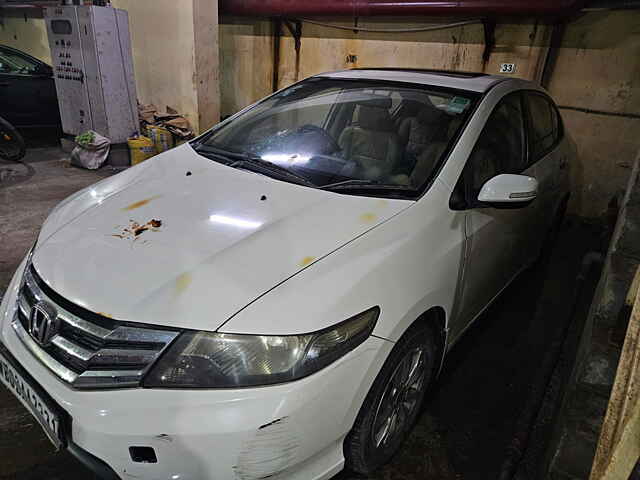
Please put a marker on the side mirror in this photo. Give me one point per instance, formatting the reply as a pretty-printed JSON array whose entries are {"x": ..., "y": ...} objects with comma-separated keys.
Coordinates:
[
  {"x": 44, "y": 70},
  {"x": 509, "y": 190}
]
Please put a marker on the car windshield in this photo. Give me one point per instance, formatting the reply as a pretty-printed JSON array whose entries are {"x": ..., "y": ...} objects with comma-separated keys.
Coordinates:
[{"x": 348, "y": 135}]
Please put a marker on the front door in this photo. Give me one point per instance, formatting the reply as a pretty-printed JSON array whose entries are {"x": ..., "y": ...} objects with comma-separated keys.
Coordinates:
[
  {"x": 495, "y": 237},
  {"x": 27, "y": 91}
]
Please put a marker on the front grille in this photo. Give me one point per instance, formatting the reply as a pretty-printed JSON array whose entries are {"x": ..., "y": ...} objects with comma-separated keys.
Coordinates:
[{"x": 89, "y": 350}]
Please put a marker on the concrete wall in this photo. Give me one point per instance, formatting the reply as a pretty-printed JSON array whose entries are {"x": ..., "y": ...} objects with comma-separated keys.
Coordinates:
[
  {"x": 598, "y": 68},
  {"x": 247, "y": 52},
  {"x": 246, "y": 62},
  {"x": 26, "y": 34},
  {"x": 162, "y": 39},
  {"x": 175, "y": 56}
]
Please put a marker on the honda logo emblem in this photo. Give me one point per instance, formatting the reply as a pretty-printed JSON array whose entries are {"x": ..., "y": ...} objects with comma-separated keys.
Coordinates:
[{"x": 43, "y": 323}]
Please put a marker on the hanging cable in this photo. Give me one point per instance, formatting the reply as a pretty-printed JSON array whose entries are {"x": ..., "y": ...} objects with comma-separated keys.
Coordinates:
[{"x": 394, "y": 30}]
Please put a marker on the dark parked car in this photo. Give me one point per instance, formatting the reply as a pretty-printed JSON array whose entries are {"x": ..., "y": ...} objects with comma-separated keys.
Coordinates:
[{"x": 27, "y": 90}]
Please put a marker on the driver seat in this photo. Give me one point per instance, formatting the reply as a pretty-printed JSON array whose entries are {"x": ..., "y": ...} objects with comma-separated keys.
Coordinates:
[{"x": 372, "y": 142}]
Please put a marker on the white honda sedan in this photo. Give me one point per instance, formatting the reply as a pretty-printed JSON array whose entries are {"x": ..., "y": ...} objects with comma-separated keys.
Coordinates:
[{"x": 274, "y": 298}]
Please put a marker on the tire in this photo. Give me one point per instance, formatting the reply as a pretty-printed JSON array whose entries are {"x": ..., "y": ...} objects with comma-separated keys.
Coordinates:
[
  {"x": 12, "y": 146},
  {"x": 366, "y": 447}
]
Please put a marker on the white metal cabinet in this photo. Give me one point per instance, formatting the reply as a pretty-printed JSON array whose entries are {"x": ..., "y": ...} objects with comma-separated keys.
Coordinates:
[{"x": 93, "y": 69}]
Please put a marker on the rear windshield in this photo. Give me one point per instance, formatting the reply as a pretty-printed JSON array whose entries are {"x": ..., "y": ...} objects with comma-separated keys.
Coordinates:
[{"x": 352, "y": 135}]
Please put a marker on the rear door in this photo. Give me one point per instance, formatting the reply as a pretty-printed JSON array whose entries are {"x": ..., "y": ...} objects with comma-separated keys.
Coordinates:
[
  {"x": 495, "y": 237},
  {"x": 546, "y": 159}
]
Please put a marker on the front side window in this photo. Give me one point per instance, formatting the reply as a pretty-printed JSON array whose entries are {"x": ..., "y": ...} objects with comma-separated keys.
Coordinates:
[
  {"x": 16, "y": 64},
  {"x": 345, "y": 134},
  {"x": 501, "y": 145}
]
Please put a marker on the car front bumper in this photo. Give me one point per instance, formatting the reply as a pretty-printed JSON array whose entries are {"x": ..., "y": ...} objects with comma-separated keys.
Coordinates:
[{"x": 292, "y": 431}]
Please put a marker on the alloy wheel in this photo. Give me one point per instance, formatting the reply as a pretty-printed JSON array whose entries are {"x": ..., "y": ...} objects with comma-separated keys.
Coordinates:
[{"x": 400, "y": 399}]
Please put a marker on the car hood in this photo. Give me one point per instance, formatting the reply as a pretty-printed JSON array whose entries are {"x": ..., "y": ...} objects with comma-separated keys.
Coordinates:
[{"x": 184, "y": 241}]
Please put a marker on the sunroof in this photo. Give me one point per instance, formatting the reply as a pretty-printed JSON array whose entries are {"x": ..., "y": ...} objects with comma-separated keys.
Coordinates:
[{"x": 448, "y": 73}]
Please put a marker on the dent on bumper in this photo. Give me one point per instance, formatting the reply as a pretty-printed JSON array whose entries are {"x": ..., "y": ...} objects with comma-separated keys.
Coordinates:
[{"x": 291, "y": 431}]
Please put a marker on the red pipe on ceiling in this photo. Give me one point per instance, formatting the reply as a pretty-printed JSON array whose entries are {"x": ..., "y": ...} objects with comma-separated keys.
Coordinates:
[{"x": 365, "y": 8}]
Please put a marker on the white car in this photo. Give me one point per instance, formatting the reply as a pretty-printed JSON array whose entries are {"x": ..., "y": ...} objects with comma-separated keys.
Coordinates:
[{"x": 273, "y": 299}]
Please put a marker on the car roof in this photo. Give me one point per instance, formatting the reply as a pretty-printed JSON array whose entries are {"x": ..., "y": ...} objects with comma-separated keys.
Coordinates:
[{"x": 471, "y": 81}]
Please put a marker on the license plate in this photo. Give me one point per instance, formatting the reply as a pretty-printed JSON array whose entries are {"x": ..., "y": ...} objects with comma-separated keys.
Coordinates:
[{"x": 48, "y": 419}]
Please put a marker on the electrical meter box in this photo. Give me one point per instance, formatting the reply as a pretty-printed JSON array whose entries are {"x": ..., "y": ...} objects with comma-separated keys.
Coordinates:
[{"x": 93, "y": 70}]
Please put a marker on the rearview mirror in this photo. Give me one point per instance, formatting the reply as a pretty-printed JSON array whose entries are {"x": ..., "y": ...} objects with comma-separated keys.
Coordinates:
[{"x": 509, "y": 189}]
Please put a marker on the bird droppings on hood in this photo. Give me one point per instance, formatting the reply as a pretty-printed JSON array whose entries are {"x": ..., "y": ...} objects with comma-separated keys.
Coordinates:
[
  {"x": 135, "y": 229},
  {"x": 272, "y": 450},
  {"x": 368, "y": 217},
  {"x": 182, "y": 283},
  {"x": 307, "y": 261},
  {"x": 139, "y": 204}
]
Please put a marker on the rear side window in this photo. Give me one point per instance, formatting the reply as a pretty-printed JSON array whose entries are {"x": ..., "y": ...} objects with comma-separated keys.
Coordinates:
[{"x": 544, "y": 128}]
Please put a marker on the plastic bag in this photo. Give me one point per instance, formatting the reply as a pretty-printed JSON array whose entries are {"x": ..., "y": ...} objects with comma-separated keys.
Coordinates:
[{"x": 92, "y": 150}]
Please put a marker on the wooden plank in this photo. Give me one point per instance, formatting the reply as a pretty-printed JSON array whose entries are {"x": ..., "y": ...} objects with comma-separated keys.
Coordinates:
[
  {"x": 206, "y": 63},
  {"x": 619, "y": 443}
]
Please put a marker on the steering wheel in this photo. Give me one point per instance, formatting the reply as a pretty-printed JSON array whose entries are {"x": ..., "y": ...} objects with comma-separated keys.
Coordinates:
[{"x": 332, "y": 145}]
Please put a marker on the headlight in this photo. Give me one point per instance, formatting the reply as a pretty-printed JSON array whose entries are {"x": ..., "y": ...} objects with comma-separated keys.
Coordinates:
[{"x": 222, "y": 360}]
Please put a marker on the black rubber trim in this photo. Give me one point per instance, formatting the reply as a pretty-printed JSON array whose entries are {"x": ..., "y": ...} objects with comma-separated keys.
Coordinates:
[
  {"x": 93, "y": 463},
  {"x": 444, "y": 73}
]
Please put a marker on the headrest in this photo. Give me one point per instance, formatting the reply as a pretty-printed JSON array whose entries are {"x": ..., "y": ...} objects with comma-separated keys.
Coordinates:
[
  {"x": 375, "y": 118},
  {"x": 429, "y": 114},
  {"x": 376, "y": 101}
]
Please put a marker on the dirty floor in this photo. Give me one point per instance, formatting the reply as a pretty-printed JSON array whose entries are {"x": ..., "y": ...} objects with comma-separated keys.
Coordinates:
[{"x": 468, "y": 418}]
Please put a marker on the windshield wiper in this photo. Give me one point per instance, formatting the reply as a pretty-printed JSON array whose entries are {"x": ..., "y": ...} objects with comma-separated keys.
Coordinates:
[
  {"x": 257, "y": 164},
  {"x": 248, "y": 161},
  {"x": 214, "y": 153}
]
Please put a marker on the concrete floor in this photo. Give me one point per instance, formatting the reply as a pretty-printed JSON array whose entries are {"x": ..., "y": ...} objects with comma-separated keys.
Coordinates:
[
  {"x": 468, "y": 418},
  {"x": 28, "y": 192}
]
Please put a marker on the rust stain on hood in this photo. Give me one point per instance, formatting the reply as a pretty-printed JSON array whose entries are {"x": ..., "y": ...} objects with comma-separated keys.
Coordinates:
[
  {"x": 368, "y": 217},
  {"x": 140, "y": 203},
  {"x": 307, "y": 261},
  {"x": 182, "y": 283}
]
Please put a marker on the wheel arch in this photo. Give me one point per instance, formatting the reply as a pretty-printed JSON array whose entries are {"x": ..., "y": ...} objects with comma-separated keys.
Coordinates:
[{"x": 436, "y": 319}]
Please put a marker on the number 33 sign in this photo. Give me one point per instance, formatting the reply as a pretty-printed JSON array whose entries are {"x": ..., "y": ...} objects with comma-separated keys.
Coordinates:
[{"x": 507, "y": 68}]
